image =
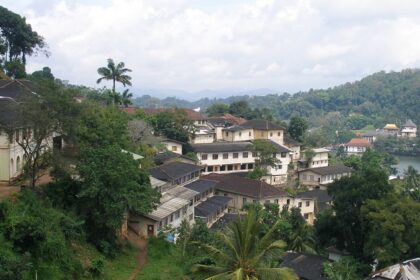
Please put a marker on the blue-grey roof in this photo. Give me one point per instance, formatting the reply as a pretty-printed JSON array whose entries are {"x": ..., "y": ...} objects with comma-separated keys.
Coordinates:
[
  {"x": 222, "y": 147},
  {"x": 211, "y": 205},
  {"x": 173, "y": 170},
  {"x": 201, "y": 185}
]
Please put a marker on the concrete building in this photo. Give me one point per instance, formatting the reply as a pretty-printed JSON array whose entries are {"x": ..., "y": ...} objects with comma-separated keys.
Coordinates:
[
  {"x": 173, "y": 145},
  {"x": 320, "y": 177},
  {"x": 319, "y": 158},
  {"x": 409, "y": 129},
  {"x": 357, "y": 146}
]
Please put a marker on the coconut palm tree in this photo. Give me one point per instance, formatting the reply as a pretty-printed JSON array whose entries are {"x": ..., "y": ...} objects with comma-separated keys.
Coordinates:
[
  {"x": 412, "y": 183},
  {"x": 114, "y": 73},
  {"x": 126, "y": 98},
  {"x": 301, "y": 240},
  {"x": 240, "y": 252}
]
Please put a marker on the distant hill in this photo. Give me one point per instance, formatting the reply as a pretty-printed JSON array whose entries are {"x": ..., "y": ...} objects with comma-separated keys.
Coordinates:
[{"x": 383, "y": 97}]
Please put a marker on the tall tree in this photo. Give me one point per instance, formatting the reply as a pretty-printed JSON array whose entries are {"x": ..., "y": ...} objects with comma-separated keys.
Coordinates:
[
  {"x": 17, "y": 39},
  {"x": 240, "y": 252},
  {"x": 114, "y": 73},
  {"x": 297, "y": 127},
  {"x": 412, "y": 183},
  {"x": 126, "y": 97},
  {"x": 217, "y": 109},
  {"x": 112, "y": 185}
]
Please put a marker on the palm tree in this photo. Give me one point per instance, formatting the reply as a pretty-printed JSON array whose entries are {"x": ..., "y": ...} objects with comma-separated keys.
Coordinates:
[
  {"x": 412, "y": 183},
  {"x": 116, "y": 73},
  {"x": 240, "y": 252},
  {"x": 301, "y": 240},
  {"x": 126, "y": 98}
]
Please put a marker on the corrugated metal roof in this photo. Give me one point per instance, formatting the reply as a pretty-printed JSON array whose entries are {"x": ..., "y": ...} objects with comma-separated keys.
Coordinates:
[{"x": 168, "y": 208}]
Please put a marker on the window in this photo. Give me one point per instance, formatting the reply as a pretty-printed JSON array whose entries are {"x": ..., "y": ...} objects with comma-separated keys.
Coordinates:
[
  {"x": 306, "y": 216},
  {"x": 225, "y": 156},
  {"x": 240, "y": 134},
  {"x": 245, "y": 154},
  {"x": 209, "y": 168},
  {"x": 280, "y": 166},
  {"x": 279, "y": 133},
  {"x": 204, "y": 157},
  {"x": 249, "y": 134},
  {"x": 283, "y": 154},
  {"x": 254, "y": 154},
  {"x": 244, "y": 200},
  {"x": 215, "y": 156},
  {"x": 271, "y": 134},
  {"x": 243, "y": 166},
  {"x": 174, "y": 148},
  {"x": 311, "y": 177},
  {"x": 288, "y": 201},
  {"x": 230, "y": 167},
  {"x": 308, "y": 203},
  {"x": 262, "y": 134},
  {"x": 177, "y": 214},
  {"x": 304, "y": 177},
  {"x": 254, "y": 201},
  {"x": 171, "y": 218},
  {"x": 276, "y": 201},
  {"x": 300, "y": 204},
  {"x": 250, "y": 166},
  {"x": 235, "y": 155},
  {"x": 227, "y": 133}
]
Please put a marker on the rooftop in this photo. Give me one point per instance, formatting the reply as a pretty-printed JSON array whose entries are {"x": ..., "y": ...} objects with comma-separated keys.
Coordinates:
[
  {"x": 306, "y": 266},
  {"x": 408, "y": 270},
  {"x": 191, "y": 114},
  {"x": 226, "y": 119},
  {"x": 321, "y": 150},
  {"x": 201, "y": 185},
  {"x": 161, "y": 158},
  {"x": 358, "y": 142},
  {"x": 15, "y": 89},
  {"x": 256, "y": 124},
  {"x": 167, "y": 208},
  {"x": 288, "y": 141},
  {"x": 221, "y": 147},
  {"x": 409, "y": 123},
  {"x": 280, "y": 148},
  {"x": 329, "y": 170},
  {"x": 173, "y": 170},
  {"x": 245, "y": 186},
  {"x": 390, "y": 126},
  {"x": 211, "y": 205}
]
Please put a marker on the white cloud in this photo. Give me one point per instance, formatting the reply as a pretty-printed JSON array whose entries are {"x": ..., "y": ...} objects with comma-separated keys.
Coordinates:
[{"x": 287, "y": 45}]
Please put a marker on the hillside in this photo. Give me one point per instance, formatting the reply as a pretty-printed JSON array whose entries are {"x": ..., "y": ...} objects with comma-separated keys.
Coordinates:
[{"x": 383, "y": 97}]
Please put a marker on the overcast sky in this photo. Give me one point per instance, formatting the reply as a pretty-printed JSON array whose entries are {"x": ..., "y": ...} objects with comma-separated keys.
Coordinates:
[{"x": 195, "y": 45}]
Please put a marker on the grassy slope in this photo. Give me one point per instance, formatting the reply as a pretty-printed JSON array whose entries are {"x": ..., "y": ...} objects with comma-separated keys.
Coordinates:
[
  {"x": 162, "y": 262},
  {"x": 118, "y": 268}
]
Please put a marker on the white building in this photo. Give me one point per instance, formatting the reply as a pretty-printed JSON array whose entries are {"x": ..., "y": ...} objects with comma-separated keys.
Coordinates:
[
  {"x": 225, "y": 157},
  {"x": 320, "y": 177},
  {"x": 12, "y": 155},
  {"x": 319, "y": 159},
  {"x": 173, "y": 145},
  {"x": 409, "y": 129},
  {"x": 243, "y": 190},
  {"x": 356, "y": 146}
]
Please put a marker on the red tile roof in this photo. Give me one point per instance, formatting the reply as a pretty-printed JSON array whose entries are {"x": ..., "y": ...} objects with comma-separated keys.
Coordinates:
[{"x": 358, "y": 142}]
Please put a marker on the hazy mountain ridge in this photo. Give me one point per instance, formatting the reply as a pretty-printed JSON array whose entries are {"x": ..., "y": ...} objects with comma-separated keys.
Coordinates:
[{"x": 385, "y": 97}]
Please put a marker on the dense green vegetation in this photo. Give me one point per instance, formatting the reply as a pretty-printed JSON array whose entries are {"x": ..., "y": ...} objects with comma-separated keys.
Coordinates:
[{"x": 376, "y": 99}]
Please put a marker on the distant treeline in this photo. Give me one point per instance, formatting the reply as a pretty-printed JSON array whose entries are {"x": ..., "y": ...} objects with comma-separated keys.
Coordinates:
[{"x": 381, "y": 97}]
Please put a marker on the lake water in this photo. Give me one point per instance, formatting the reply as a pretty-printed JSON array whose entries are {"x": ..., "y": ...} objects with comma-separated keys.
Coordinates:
[{"x": 404, "y": 162}]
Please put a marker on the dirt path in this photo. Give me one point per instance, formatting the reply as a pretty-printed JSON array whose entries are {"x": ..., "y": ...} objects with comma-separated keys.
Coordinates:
[{"x": 141, "y": 244}]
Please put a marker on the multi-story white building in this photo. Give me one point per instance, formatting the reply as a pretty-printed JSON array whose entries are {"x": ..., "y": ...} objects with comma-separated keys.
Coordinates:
[
  {"x": 357, "y": 146},
  {"x": 243, "y": 190},
  {"x": 253, "y": 130},
  {"x": 12, "y": 155},
  {"x": 319, "y": 158},
  {"x": 225, "y": 157},
  {"x": 409, "y": 129},
  {"x": 320, "y": 177}
]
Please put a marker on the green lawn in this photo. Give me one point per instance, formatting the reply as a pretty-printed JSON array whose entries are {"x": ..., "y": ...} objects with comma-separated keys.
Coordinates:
[
  {"x": 119, "y": 268},
  {"x": 162, "y": 262}
]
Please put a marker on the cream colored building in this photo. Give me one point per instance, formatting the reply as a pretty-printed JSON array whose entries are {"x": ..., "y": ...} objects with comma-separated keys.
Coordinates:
[
  {"x": 409, "y": 129},
  {"x": 243, "y": 190},
  {"x": 320, "y": 177},
  {"x": 320, "y": 158},
  {"x": 173, "y": 145}
]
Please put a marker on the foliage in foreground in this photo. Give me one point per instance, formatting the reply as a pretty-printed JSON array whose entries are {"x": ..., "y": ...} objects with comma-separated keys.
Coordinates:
[{"x": 241, "y": 253}]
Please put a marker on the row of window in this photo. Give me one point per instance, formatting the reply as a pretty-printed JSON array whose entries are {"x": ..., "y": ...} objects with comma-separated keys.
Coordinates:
[
  {"x": 186, "y": 178},
  {"x": 250, "y": 133},
  {"x": 226, "y": 155},
  {"x": 229, "y": 167},
  {"x": 175, "y": 216},
  {"x": 316, "y": 162}
]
